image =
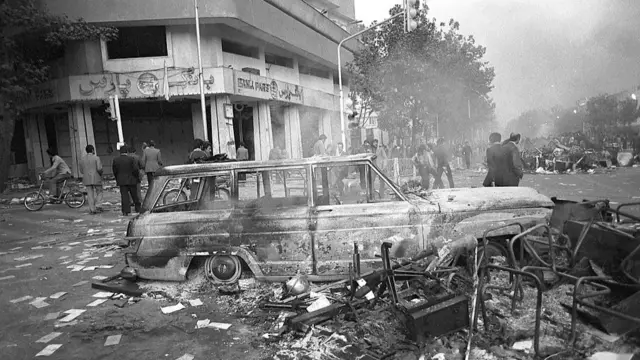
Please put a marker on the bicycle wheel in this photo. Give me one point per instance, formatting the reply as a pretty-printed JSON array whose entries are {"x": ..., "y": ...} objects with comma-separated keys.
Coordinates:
[
  {"x": 174, "y": 196},
  {"x": 74, "y": 199},
  {"x": 222, "y": 194},
  {"x": 34, "y": 201}
]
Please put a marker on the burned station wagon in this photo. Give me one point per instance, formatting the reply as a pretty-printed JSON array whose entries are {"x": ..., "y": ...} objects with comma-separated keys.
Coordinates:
[{"x": 278, "y": 218}]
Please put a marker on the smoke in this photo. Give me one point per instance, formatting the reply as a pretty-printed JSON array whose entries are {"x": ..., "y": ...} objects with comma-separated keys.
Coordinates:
[{"x": 547, "y": 52}]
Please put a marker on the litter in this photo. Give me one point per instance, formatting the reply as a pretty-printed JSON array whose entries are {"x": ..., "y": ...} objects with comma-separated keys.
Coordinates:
[
  {"x": 96, "y": 302},
  {"x": 523, "y": 345},
  {"x": 216, "y": 325},
  {"x": 90, "y": 268},
  {"x": 16, "y": 248},
  {"x": 108, "y": 255},
  {"x": 113, "y": 340},
  {"x": 322, "y": 302},
  {"x": 105, "y": 266},
  {"x": 49, "y": 350},
  {"x": 202, "y": 323},
  {"x": 7, "y": 277},
  {"x": 45, "y": 339},
  {"x": 75, "y": 243},
  {"x": 103, "y": 294},
  {"x": 61, "y": 325},
  {"x": 58, "y": 295},
  {"x": 196, "y": 302},
  {"x": 39, "y": 303},
  {"x": 52, "y": 316},
  {"x": 72, "y": 314},
  {"x": 99, "y": 277},
  {"x": 186, "y": 357},
  {"x": 75, "y": 268},
  {"x": 173, "y": 308},
  {"x": 23, "y": 265},
  {"x": 80, "y": 283},
  {"x": 24, "y": 298}
]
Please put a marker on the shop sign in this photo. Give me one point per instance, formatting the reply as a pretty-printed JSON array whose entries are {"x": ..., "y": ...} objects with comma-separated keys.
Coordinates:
[{"x": 264, "y": 88}]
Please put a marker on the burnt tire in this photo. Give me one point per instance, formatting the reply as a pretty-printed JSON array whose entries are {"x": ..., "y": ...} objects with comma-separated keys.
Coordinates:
[{"x": 223, "y": 269}]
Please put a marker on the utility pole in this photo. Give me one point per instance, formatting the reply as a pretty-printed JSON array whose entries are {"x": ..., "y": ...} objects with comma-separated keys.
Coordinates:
[{"x": 203, "y": 105}]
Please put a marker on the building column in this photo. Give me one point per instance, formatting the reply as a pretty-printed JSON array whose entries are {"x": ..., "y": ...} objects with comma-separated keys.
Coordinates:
[
  {"x": 292, "y": 135},
  {"x": 197, "y": 121},
  {"x": 223, "y": 139},
  {"x": 262, "y": 133},
  {"x": 80, "y": 133},
  {"x": 325, "y": 127},
  {"x": 37, "y": 144}
]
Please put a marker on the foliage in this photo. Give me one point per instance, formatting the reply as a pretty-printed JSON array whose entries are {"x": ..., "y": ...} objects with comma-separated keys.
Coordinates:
[
  {"x": 409, "y": 78},
  {"x": 31, "y": 37},
  {"x": 532, "y": 123}
]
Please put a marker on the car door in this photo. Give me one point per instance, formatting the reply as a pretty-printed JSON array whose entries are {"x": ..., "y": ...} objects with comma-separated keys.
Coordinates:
[
  {"x": 359, "y": 215},
  {"x": 271, "y": 218}
]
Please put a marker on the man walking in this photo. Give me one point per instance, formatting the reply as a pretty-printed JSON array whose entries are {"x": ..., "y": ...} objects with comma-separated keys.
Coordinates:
[
  {"x": 442, "y": 160},
  {"x": 423, "y": 163},
  {"x": 511, "y": 162},
  {"x": 91, "y": 172},
  {"x": 126, "y": 171},
  {"x": 58, "y": 172},
  {"x": 494, "y": 159},
  {"x": 466, "y": 152},
  {"x": 132, "y": 152},
  {"x": 152, "y": 160}
]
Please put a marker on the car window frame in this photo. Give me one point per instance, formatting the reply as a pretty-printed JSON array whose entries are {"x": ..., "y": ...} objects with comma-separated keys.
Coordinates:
[
  {"x": 307, "y": 171},
  {"x": 201, "y": 175}
]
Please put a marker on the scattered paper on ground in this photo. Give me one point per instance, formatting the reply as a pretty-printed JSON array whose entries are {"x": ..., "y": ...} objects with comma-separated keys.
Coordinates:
[
  {"x": 96, "y": 302},
  {"x": 217, "y": 325},
  {"x": 58, "y": 295},
  {"x": 322, "y": 302},
  {"x": 80, "y": 283},
  {"x": 90, "y": 268},
  {"x": 523, "y": 345},
  {"x": 113, "y": 340},
  {"x": 196, "y": 302},
  {"x": 186, "y": 357},
  {"x": 45, "y": 339},
  {"x": 173, "y": 308},
  {"x": 28, "y": 257},
  {"x": 24, "y": 298},
  {"x": 7, "y": 277},
  {"x": 99, "y": 277},
  {"x": 103, "y": 294},
  {"x": 202, "y": 323},
  {"x": 52, "y": 316},
  {"x": 50, "y": 349},
  {"x": 72, "y": 314},
  {"x": 23, "y": 265}
]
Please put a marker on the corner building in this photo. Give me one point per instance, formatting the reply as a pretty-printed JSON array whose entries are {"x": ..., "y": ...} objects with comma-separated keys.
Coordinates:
[{"x": 269, "y": 70}]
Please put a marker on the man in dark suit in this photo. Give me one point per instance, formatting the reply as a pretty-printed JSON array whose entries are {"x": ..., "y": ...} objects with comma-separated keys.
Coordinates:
[
  {"x": 152, "y": 160},
  {"x": 127, "y": 171},
  {"x": 494, "y": 154},
  {"x": 512, "y": 169}
]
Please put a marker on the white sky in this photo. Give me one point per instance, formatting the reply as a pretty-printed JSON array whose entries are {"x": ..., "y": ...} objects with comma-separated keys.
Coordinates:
[{"x": 545, "y": 52}]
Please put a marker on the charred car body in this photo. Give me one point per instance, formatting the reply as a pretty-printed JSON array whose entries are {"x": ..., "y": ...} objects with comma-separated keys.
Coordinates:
[{"x": 278, "y": 218}]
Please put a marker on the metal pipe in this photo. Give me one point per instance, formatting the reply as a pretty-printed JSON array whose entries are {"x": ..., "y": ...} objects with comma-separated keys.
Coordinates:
[
  {"x": 342, "y": 124},
  {"x": 116, "y": 103},
  {"x": 203, "y": 105}
]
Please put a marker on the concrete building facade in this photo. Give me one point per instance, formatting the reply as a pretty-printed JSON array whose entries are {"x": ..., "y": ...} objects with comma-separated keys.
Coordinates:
[{"x": 269, "y": 74}]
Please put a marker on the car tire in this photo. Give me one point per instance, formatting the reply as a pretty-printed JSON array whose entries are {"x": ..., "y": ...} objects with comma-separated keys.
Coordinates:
[{"x": 223, "y": 269}]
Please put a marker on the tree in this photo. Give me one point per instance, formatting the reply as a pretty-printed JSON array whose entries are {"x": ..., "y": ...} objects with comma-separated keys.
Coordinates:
[
  {"x": 30, "y": 38},
  {"x": 602, "y": 115},
  {"x": 410, "y": 78}
]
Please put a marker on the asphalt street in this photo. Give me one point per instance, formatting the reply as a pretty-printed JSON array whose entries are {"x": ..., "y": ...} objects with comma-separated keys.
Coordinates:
[{"x": 38, "y": 250}]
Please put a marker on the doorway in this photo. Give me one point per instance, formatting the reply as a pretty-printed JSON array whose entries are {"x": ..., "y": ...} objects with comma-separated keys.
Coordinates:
[{"x": 243, "y": 127}]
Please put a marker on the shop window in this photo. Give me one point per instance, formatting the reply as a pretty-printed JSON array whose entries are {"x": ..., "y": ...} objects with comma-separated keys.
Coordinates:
[
  {"x": 348, "y": 185},
  {"x": 240, "y": 49},
  {"x": 278, "y": 60},
  {"x": 309, "y": 70},
  {"x": 138, "y": 42}
]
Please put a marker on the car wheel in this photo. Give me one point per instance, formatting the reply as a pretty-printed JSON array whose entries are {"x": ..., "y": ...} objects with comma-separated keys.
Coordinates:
[{"x": 223, "y": 269}]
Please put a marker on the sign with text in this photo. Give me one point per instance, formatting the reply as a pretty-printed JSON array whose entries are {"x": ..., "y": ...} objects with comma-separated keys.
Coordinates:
[{"x": 247, "y": 84}]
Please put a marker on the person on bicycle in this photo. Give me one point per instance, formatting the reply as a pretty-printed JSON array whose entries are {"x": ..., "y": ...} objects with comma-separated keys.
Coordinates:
[{"x": 57, "y": 173}]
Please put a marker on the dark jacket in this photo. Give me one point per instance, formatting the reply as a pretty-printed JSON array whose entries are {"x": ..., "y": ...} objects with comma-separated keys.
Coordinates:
[
  {"x": 126, "y": 170},
  {"x": 494, "y": 160},
  {"x": 512, "y": 170}
]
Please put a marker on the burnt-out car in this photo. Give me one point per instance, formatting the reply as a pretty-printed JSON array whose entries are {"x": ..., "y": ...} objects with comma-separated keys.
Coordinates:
[{"x": 278, "y": 218}]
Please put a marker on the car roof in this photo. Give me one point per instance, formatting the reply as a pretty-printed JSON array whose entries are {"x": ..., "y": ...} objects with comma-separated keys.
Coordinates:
[{"x": 249, "y": 165}]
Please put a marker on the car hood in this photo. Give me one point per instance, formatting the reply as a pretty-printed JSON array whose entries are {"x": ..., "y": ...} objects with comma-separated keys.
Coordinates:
[{"x": 486, "y": 198}]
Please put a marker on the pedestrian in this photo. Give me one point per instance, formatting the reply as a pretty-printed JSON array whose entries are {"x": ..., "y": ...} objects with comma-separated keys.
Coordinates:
[
  {"x": 57, "y": 173},
  {"x": 132, "y": 152},
  {"x": 319, "y": 148},
  {"x": 443, "y": 156},
  {"x": 422, "y": 162},
  {"x": 127, "y": 172},
  {"x": 197, "y": 154},
  {"x": 340, "y": 151},
  {"x": 151, "y": 160},
  {"x": 91, "y": 172},
  {"x": 466, "y": 152},
  {"x": 208, "y": 149},
  {"x": 511, "y": 167},
  {"x": 242, "y": 153},
  {"x": 380, "y": 162},
  {"x": 494, "y": 153}
]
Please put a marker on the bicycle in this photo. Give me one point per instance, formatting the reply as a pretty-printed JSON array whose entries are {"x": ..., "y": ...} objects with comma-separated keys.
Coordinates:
[
  {"x": 74, "y": 198},
  {"x": 180, "y": 195}
]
